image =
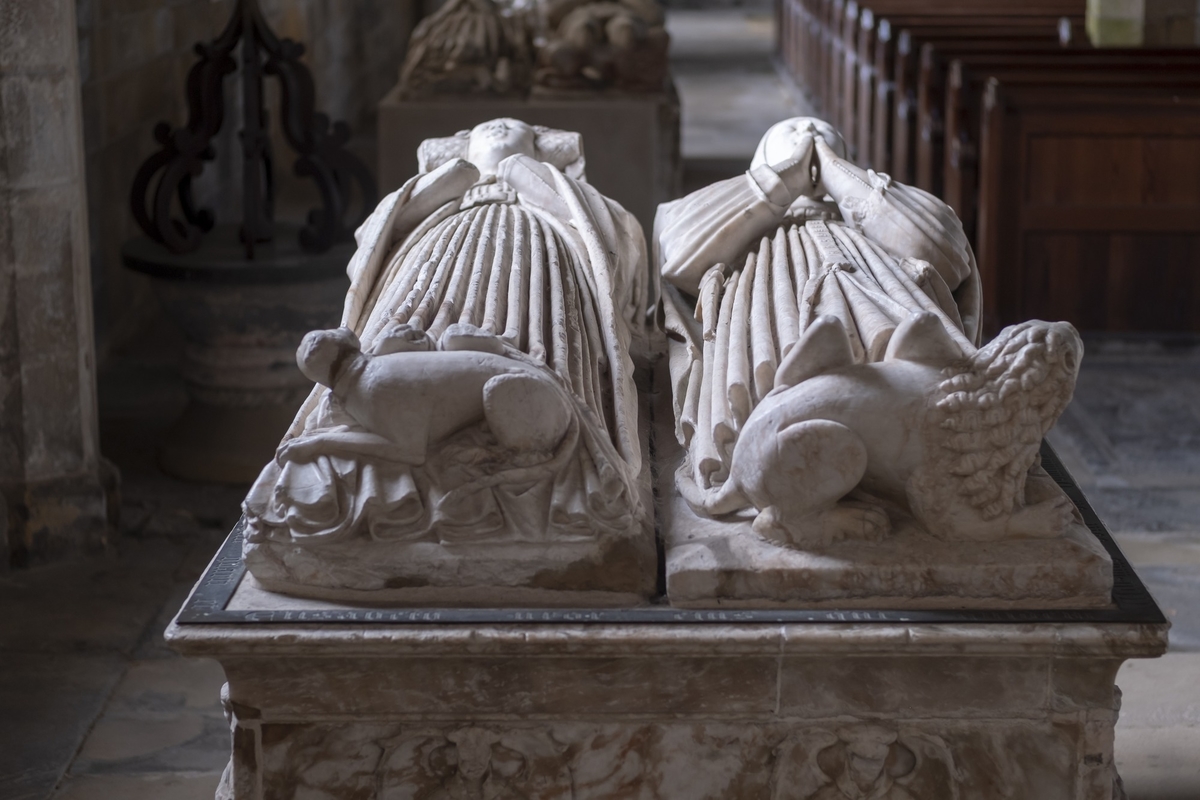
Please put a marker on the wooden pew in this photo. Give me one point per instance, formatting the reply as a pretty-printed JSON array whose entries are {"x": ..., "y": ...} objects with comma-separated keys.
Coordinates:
[
  {"x": 1090, "y": 205},
  {"x": 880, "y": 87},
  {"x": 798, "y": 40},
  {"x": 930, "y": 90},
  {"x": 839, "y": 14},
  {"x": 808, "y": 52},
  {"x": 938, "y": 148},
  {"x": 843, "y": 59},
  {"x": 906, "y": 73},
  {"x": 966, "y": 84},
  {"x": 948, "y": 142},
  {"x": 818, "y": 31},
  {"x": 866, "y": 66},
  {"x": 904, "y": 65},
  {"x": 830, "y": 50}
]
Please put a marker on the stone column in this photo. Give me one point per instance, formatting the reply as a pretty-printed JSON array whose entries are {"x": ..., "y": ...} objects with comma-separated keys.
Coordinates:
[
  {"x": 1148, "y": 23},
  {"x": 50, "y": 466}
]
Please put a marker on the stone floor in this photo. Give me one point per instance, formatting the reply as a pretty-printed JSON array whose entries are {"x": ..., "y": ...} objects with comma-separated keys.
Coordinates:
[
  {"x": 1131, "y": 438},
  {"x": 86, "y": 681},
  {"x": 94, "y": 707},
  {"x": 728, "y": 85}
]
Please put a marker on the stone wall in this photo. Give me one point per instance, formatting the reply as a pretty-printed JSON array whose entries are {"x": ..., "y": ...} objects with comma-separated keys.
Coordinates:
[
  {"x": 355, "y": 48},
  {"x": 134, "y": 58},
  {"x": 51, "y": 495},
  {"x": 82, "y": 85}
]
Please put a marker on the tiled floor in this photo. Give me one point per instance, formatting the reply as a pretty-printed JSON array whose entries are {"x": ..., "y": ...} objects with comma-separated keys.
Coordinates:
[
  {"x": 728, "y": 85},
  {"x": 1132, "y": 440},
  {"x": 86, "y": 680},
  {"x": 94, "y": 707}
]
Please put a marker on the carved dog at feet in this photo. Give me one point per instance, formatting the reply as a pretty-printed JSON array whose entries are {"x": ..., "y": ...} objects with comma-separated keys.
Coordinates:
[
  {"x": 951, "y": 437},
  {"x": 415, "y": 396}
]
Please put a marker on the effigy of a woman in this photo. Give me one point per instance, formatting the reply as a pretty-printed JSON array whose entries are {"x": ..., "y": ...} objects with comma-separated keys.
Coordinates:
[{"x": 475, "y": 423}]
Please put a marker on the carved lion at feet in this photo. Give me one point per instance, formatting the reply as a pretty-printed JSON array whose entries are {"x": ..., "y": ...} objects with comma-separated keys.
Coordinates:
[{"x": 949, "y": 436}]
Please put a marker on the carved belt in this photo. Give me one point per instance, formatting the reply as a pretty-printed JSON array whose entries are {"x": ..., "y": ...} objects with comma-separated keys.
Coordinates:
[{"x": 493, "y": 191}]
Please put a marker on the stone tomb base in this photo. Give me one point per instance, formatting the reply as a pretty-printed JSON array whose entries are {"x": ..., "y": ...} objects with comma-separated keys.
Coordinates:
[
  {"x": 335, "y": 701},
  {"x": 331, "y": 700},
  {"x": 630, "y": 141},
  {"x": 686, "y": 712}
]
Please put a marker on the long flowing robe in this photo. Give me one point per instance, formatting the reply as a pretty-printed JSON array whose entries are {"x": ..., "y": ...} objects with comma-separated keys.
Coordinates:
[
  {"x": 558, "y": 273},
  {"x": 747, "y": 273}
]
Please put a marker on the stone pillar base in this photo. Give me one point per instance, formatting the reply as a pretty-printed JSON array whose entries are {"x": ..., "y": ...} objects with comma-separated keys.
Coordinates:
[
  {"x": 243, "y": 319},
  {"x": 60, "y": 518}
]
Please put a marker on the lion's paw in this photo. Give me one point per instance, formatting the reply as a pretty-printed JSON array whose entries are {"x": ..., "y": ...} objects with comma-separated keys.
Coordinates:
[
  {"x": 1044, "y": 520},
  {"x": 856, "y": 521}
]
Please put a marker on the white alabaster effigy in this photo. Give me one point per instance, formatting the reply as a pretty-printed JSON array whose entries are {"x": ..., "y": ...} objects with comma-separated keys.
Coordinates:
[
  {"x": 475, "y": 423},
  {"x": 829, "y": 392}
]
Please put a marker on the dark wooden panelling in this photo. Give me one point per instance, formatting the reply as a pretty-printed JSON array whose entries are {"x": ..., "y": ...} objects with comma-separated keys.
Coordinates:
[
  {"x": 1113, "y": 170},
  {"x": 1076, "y": 171},
  {"x": 1114, "y": 281}
]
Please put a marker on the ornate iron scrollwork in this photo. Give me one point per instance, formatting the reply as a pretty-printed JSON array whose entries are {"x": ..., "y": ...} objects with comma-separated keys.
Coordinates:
[{"x": 319, "y": 145}]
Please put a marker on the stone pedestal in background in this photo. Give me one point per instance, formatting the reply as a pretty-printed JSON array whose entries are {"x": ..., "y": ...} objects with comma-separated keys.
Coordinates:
[
  {"x": 135, "y": 57},
  {"x": 243, "y": 320},
  {"x": 1172, "y": 23},
  {"x": 631, "y": 141},
  {"x": 59, "y": 495}
]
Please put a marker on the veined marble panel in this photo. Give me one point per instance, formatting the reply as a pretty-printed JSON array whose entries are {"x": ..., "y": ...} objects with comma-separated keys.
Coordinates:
[{"x": 864, "y": 711}]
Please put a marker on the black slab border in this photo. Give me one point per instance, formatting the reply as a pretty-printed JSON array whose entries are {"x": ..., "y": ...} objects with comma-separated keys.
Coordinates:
[{"x": 1133, "y": 602}]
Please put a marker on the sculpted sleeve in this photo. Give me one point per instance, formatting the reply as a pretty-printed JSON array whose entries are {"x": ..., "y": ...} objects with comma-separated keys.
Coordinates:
[
  {"x": 394, "y": 218},
  {"x": 716, "y": 224}
]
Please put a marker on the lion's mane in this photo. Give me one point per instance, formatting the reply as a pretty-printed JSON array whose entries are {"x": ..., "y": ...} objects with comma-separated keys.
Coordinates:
[{"x": 995, "y": 408}]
